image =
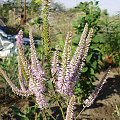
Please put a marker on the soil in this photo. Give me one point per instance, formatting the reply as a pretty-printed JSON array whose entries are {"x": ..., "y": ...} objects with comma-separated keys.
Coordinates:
[
  {"x": 103, "y": 108},
  {"x": 109, "y": 97}
]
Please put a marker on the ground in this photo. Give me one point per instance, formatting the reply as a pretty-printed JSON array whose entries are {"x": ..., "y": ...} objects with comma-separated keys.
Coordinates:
[
  {"x": 102, "y": 109},
  {"x": 105, "y": 104}
]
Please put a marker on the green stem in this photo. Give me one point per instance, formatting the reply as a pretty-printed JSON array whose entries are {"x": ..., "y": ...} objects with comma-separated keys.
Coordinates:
[
  {"x": 44, "y": 116},
  {"x": 59, "y": 104},
  {"x": 51, "y": 115},
  {"x": 36, "y": 116},
  {"x": 63, "y": 116},
  {"x": 80, "y": 112}
]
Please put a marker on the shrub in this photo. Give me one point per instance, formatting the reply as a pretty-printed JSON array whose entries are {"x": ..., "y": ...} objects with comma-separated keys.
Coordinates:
[{"x": 90, "y": 14}]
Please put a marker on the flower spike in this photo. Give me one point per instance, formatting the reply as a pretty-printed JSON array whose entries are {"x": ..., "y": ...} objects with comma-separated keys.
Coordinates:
[
  {"x": 89, "y": 101},
  {"x": 14, "y": 88},
  {"x": 70, "y": 108},
  {"x": 76, "y": 62},
  {"x": 62, "y": 84},
  {"x": 85, "y": 52},
  {"x": 34, "y": 73},
  {"x": 55, "y": 63}
]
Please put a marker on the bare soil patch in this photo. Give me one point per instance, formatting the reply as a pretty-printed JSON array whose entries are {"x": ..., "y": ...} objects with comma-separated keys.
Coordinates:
[{"x": 105, "y": 104}]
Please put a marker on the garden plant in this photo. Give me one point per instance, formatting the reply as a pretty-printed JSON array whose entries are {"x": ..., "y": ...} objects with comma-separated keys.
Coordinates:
[
  {"x": 52, "y": 85},
  {"x": 91, "y": 15}
]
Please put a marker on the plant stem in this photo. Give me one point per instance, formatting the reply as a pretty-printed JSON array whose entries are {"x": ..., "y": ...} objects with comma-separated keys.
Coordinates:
[
  {"x": 36, "y": 116},
  {"x": 44, "y": 116},
  {"x": 80, "y": 112},
  {"x": 63, "y": 116},
  {"x": 59, "y": 104},
  {"x": 51, "y": 114}
]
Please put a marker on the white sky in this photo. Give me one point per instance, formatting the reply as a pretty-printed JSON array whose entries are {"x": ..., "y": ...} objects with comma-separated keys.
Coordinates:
[{"x": 113, "y": 6}]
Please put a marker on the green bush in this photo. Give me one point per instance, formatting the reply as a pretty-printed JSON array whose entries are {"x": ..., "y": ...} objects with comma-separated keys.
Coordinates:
[
  {"x": 90, "y": 14},
  {"x": 111, "y": 34}
]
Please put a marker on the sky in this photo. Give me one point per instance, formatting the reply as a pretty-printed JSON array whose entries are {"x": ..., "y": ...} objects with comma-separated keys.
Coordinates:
[{"x": 113, "y": 6}]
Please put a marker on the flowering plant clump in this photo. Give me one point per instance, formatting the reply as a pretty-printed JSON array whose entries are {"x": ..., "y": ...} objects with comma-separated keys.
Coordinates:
[
  {"x": 33, "y": 71},
  {"x": 70, "y": 69},
  {"x": 32, "y": 76},
  {"x": 65, "y": 75}
]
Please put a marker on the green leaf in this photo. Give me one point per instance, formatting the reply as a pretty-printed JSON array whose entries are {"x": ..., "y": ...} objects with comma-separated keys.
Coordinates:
[
  {"x": 76, "y": 39},
  {"x": 23, "y": 117},
  {"x": 84, "y": 69},
  {"x": 38, "y": 1},
  {"x": 119, "y": 63},
  {"x": 88, "y": 58},
  {"x": 50, "y": 84},
  {"x": 94, "y": 65},
  {"x": 75, "y": 24},
  {"x": 92, "y": 71},
  {"x": 95, "y": 49}
]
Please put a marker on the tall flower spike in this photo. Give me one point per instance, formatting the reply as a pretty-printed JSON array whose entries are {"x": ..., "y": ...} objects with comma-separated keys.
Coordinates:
[
  {"x": 32, "y": 50},
  {"x": 79, "y": 53},
  {"x": 55, "y": 63},
  {"x": 22, "y": 59},
  {"x": 37, "y": 85},
  {"x": 19, "y": 43},
  {"x": 85, "y": 52},
  {"x": 87, "y": 44},
  {"x": 79, "y": 50},
  {"x": 34, "y": 72},
  {"x": 70, "y": 108},
  {"x": 45, "y": 31},
  {"x": 36, "y": 68},
  {"x": 37, "y": 88},
  {"x": 62, "y": 84},
  {"x": 14, "y": 88},
  {"x": 89, "y": 101},
  {"x": 34, "y": 60},
  {"x": 20, "y": 76}
]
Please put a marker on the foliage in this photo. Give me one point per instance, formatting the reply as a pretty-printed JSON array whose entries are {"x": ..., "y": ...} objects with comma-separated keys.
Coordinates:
[
  {"x": 111, "y": 33},
  {"x": 10, "y": 66},
  {"x": 34, "y": 6},
  {"x": 38, "y": 1},
  {"x": 30, "y": 113},
  {"x": 92, "y": 66},
  {"x": 4, "y": 9},
  {"x": 91, "y": 14}
]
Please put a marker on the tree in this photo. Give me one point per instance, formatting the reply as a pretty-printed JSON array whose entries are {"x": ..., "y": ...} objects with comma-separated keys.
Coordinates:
[{"x": 56, "y": 6}]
